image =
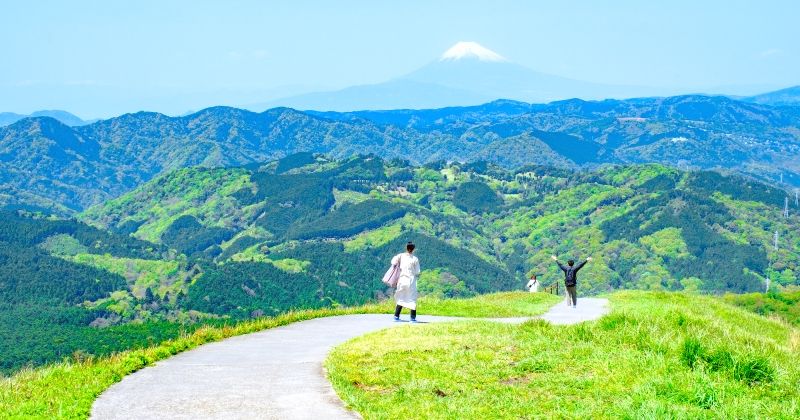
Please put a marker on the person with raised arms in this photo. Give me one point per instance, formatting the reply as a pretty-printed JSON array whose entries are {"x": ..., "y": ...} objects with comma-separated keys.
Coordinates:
[{"x": 571, "y": 278}]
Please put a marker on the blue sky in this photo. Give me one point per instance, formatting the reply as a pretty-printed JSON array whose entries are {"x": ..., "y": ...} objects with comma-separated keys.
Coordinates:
[{"x": 104, "y": 58}]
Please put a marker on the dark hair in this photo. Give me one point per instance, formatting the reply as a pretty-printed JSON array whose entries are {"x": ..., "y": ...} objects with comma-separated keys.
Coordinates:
[
  {"x": 410, "y": 246},
  {"x": 571, "y": 263}
]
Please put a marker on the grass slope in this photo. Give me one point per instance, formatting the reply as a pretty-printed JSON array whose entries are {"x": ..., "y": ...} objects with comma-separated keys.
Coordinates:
[
  {"x": 784, "y": 305},
  {"x": 68, "y": 389},
  {"x": 657, "y": 355}
]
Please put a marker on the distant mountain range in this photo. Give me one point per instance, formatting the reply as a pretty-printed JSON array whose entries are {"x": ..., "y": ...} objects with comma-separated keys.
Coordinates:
[
  {"x": 46, "y": 163},
  {"x": 784, "y": 97},
  {"x": 465, "y": 74},
  {"x": 469, "y": 73},
  {"x": 65, "y": 117}
]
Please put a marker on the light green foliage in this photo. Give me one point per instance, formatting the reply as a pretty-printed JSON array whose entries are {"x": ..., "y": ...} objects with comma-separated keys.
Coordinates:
[
  {"x": 160, "y": 276},
  {"x": 639, "y": 174},
  {"x": 203, "y": 193},
  {"x": 784, "y": 305},
  {"x": 657, "y": 355},
  {"x": 651, "y": 275},
  {"x": 441, "y": 284},
  {"x": 291, "y": 265},
  {"x": 63, "y": 244},
  {"x": 373, "y": 238},
  {"x": 429, "y": 175},
  {"x": 253, "y": 231},
  {"x": 691, "y": 284},
  {"x": 120, "y": 302},
  {"x": 347, "y": 196},
  {"x": 666, "y": 243},
  {"x": 256, "y": 254}
]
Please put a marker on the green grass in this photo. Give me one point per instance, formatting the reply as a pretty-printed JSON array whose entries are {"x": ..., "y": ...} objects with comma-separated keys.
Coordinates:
[
  {"x": 68, "y": 389},
  {"x": 784, "y": 305},
  {"x": 495, "y": 305},
  {"x": 657, "y": 355}
]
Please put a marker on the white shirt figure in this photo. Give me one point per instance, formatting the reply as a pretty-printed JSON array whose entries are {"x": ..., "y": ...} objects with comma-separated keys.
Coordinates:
[
  {"x": 406, "y": 294},
  {"x": 533, "y": 285}
]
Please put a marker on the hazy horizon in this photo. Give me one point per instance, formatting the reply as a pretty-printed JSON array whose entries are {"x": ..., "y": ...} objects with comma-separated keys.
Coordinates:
[{"x": 98, "y": 60}]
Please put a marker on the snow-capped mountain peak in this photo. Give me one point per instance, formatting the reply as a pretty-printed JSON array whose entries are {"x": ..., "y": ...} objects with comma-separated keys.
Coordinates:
[{"x": 468, "y": 49}]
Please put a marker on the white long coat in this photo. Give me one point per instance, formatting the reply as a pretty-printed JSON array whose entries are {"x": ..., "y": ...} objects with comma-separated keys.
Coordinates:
[
  {"x": 533, "y": 286},
  {"x": 406, "y": 294}
]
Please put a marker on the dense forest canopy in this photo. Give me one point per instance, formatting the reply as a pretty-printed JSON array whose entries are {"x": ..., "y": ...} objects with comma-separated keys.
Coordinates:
[{"x": 213, "y": 245}]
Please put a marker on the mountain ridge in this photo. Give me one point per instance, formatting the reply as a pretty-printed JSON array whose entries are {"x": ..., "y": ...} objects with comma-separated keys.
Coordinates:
[
  {"x": 7, "y": 118},
  {"x": 784, "y": 97},
  {"x": 465, "y": 73},
  {"x": 109, "y": 157}
]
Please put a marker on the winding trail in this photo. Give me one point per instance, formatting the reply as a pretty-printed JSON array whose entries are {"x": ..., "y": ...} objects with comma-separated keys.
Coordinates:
[{"x": 275, "y": 373}]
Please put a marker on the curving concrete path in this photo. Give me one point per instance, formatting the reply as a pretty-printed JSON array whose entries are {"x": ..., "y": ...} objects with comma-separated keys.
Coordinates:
[{"x": 275, "y": 373}]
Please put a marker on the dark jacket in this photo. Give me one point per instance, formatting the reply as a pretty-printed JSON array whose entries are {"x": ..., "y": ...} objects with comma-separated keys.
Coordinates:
[{"x": 571, "y": 273}]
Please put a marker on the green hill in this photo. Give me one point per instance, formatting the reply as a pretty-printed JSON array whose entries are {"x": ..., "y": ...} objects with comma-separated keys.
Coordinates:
[{"x": 657, "y": 355}]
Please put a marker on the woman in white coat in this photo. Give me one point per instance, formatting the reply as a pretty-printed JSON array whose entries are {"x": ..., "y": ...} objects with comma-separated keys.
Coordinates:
[
  {"x": 406, "y": 294},
  {"x": 533, "y": 284}
]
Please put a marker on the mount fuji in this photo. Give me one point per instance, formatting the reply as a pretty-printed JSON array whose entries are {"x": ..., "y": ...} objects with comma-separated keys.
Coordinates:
[{"x": 466, "y": 74}]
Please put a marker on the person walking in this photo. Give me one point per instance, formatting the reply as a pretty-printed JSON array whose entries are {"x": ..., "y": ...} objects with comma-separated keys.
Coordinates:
[
  {"x": 406, "y": 294},
  {"x": 571, "y": 278},
  {"x": 533, "y": 284}
]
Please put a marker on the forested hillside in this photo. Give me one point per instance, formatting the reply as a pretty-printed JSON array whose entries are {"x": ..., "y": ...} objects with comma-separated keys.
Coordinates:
[
  {"x": 199, "y": 245},
  {"x": 46, "y": 164},
  {"x": 647, "y": 226},
  {"x": 54, "y": 303}
]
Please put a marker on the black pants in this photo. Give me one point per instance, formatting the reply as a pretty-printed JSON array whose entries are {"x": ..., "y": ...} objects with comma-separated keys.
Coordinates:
[
  {"x": 398, "y": 309},
  {"x": 573, "y": 295}
]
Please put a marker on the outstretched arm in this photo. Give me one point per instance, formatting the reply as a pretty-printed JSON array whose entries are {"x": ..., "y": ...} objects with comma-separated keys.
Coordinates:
[
  {"x": 559, "y": 264},
  {"x": 583, "y": 263}
]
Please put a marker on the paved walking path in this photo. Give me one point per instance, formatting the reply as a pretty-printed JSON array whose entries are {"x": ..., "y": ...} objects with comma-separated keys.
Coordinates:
[
  {"x": 588, "y": 309},
  {"x": 275, "y": 373}
]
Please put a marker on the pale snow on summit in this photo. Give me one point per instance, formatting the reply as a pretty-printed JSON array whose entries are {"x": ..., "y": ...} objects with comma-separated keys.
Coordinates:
[{"x": 468, "y": 49}]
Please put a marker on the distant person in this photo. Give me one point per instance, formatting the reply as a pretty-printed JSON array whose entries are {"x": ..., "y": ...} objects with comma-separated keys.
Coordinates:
[
  {"x": 533, "y": 284},
  {"x": 571, "y": 278},
  {"x": 406, "y": 294}
]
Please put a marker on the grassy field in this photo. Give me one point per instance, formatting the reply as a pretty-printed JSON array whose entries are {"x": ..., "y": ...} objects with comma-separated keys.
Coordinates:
[
  {"x": 657, "y": 355},
  {"x": 784, "y": 305},
  {"x": 67, "y": 389}
]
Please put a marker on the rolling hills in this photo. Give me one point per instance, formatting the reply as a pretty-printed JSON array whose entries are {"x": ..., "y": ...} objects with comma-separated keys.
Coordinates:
[
  {"x": 649, "y": 226},
  {"x": 47, "y": 165},
  {"x": 206, "y": 245}
]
